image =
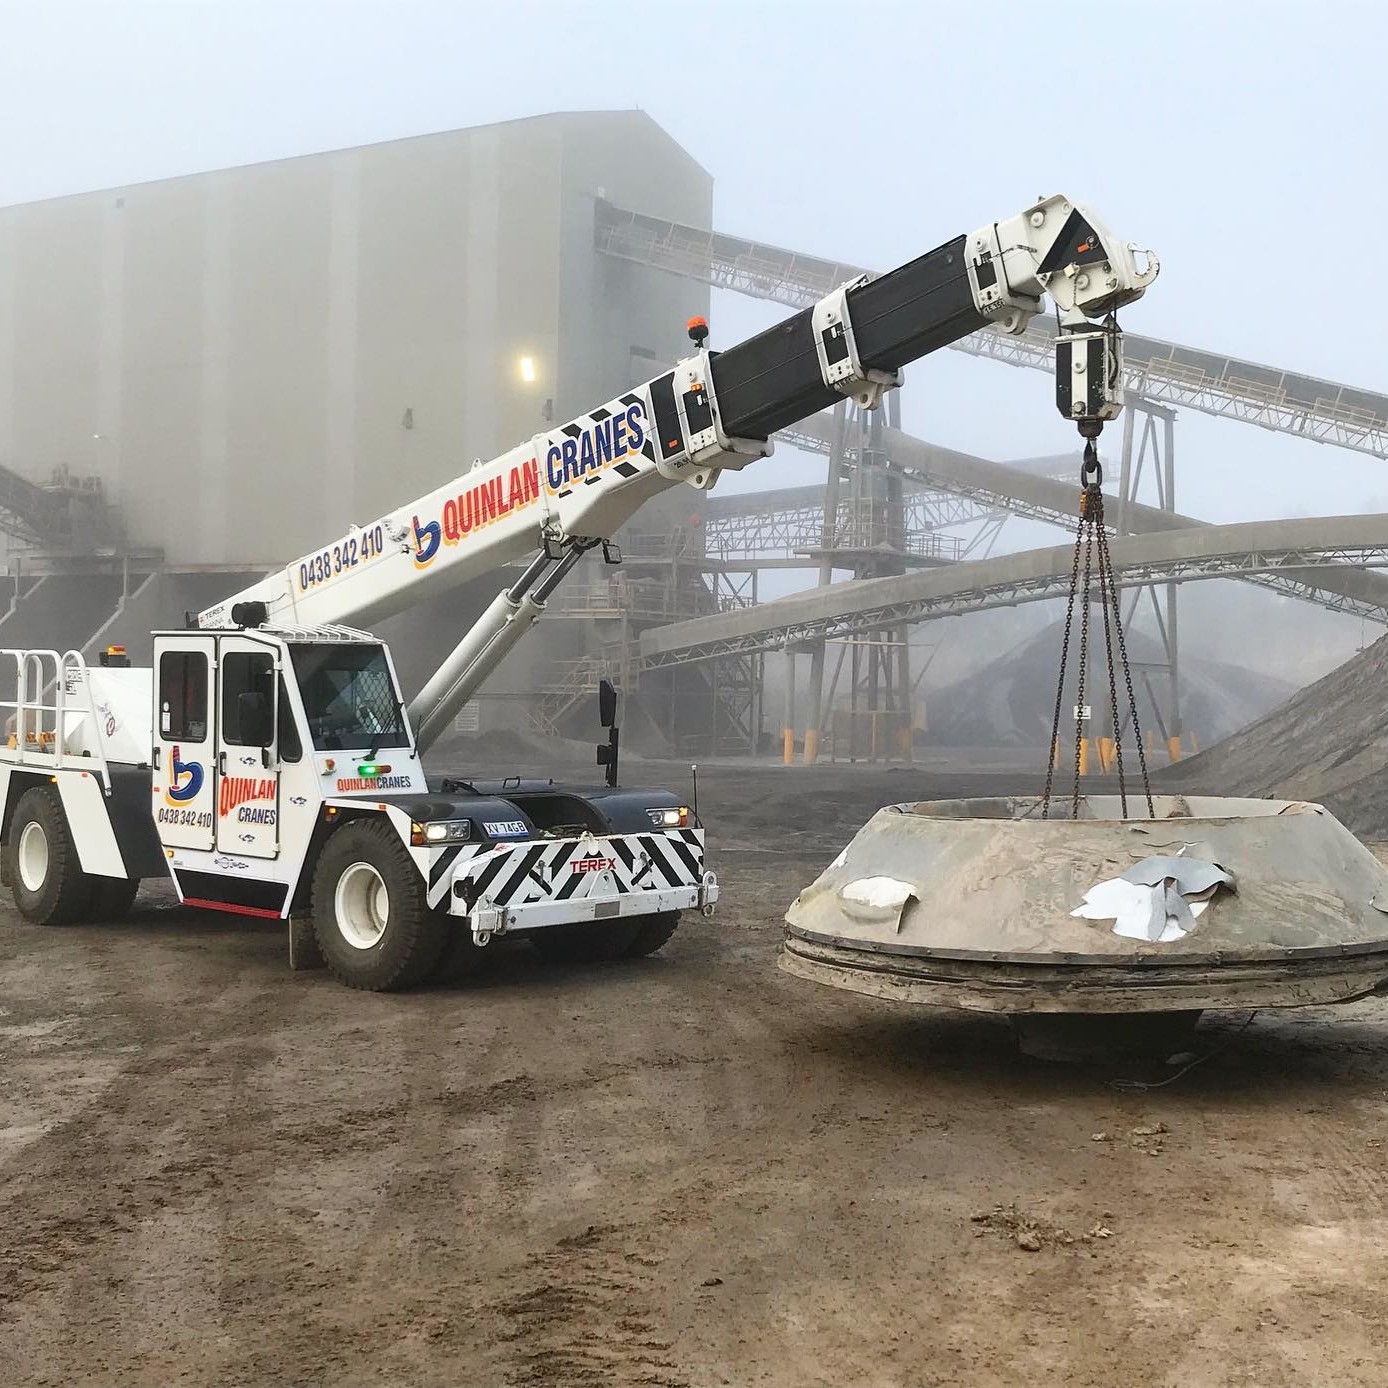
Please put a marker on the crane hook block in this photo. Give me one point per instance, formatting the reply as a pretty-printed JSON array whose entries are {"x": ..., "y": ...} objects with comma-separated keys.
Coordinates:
[
  {"x": 1089, "y": 376},
  {"x": 840, "y": 366}
]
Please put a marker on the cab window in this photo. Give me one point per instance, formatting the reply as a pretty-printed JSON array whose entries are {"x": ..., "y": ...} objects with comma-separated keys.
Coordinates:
[
  {"x": 245, "y": 672},
  {"x": 349, "y": 696},
  {"x": 291, "y": 745},
  {"x": 183, "y": 696}
]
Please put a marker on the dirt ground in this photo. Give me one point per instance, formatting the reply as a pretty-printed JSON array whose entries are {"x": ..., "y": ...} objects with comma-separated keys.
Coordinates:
[{"x": 691, "y": 1170}]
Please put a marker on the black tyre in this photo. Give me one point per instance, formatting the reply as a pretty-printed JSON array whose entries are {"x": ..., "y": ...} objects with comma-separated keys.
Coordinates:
[
  {"x": 460, "y": 957},
  {"x": 112, "y": 897},
  {"x": 41, "y": 861},
  {"x": 592, "y": 942},
  {"x": 652, "y": 932},
  {"x": 370, "y": 916}
]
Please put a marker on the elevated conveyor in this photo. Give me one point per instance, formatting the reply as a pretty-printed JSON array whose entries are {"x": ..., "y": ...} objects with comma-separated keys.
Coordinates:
[
  {"x": 1032, "y": 496},
  {"x": 1215, "y": 551},
  {"x": 1214, "y": 383}
]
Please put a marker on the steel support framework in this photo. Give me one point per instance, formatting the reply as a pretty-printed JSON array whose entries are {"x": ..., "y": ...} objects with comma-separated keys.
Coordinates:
[
  {"x": 1283, "y": 401},
  {"x": 1149, "y": 451},
  {"x": 1270, "y": 561},
  {"x": 991, "y": 486},
  {"x": 763, "y": 537}
]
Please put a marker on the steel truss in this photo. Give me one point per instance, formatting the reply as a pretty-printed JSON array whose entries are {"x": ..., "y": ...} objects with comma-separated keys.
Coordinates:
[
  {"x": 800, "y": 532},
  {"x": 1272, "y": 564},
  {"x": 1283, "y": 401},
  {"x": 996, "y": 500}
]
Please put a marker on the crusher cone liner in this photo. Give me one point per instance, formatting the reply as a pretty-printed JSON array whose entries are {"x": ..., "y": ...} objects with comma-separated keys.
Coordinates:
[{"x": 1222, "y": 903}]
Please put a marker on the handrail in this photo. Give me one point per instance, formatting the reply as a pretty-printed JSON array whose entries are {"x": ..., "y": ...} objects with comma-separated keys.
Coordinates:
[{"x": 38, "y": 730}]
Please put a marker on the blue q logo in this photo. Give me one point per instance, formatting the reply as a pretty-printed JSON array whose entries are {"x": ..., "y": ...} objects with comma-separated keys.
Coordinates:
[{"x": 185, "y": 779}]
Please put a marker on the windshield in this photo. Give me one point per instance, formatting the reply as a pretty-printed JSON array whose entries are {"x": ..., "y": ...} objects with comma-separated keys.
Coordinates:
[{"x": 349, "y": 697}]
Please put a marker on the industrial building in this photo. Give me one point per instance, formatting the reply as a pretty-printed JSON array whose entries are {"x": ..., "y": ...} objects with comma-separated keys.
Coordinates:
[{"x": 202, "y": 377}]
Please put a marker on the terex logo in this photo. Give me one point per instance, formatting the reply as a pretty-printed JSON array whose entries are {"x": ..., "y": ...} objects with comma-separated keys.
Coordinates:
[
  {"x": 592, "y": 449},
  {"x": 594, "y": 862}
]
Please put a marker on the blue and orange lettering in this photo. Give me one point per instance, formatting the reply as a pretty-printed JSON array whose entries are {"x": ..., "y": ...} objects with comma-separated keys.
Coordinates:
[
  {"x": 586, "y": 461},
  {"x": 554, "y": 472},
  {"x": 569, "y": 448},
  {"x": 619, "y": 436},
  {"x": 635, "y": 418}
]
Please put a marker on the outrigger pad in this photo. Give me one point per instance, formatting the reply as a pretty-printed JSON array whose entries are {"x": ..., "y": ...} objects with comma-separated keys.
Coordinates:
[{"x": 1217, "y": 902}]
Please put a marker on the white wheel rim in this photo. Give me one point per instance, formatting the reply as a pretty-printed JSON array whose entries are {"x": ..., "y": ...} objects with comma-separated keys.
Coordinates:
[
  {"x": 362, "y": 905},
  {"x": 33, "y": 856}
]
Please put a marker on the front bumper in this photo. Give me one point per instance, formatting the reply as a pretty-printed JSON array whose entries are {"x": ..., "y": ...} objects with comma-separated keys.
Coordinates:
[{"x": 538, "y": 883}]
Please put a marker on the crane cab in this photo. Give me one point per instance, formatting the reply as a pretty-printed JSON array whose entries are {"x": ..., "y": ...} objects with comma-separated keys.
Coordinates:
[{"x": 254, "y": 730}]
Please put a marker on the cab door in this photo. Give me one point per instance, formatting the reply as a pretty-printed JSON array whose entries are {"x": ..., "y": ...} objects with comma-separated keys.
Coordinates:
[
  {"x": 183, "y": 790},
  {"x": 248, "y": 768}
]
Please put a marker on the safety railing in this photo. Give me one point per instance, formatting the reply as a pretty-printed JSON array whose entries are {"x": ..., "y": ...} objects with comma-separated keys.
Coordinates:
[{"x": 46, "y": 711}]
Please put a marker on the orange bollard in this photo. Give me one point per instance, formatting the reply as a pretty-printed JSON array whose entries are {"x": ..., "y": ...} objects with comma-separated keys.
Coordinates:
[
  {"x": 1107, "y": 757},
  {"x": 788, "y": 745},
  {"x": 1194, "y": 745},
  {"x": 811, "y": 745},
  {"x": 1084, "y": 756},
  {"x": 1173, "y": 748}
]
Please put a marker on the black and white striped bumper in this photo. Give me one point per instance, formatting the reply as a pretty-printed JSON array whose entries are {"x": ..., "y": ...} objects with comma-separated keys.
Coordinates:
[{"x": 543, "y": 882}]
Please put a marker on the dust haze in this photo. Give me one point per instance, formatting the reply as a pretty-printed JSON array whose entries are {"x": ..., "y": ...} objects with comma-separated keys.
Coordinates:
[{"x": 295, "y": 291}]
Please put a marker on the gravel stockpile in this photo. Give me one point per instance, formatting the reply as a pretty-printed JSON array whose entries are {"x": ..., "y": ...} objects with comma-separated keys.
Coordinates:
[
  {"x": 1011, "y": 701},
  {"x": 1328, "y": 743}
]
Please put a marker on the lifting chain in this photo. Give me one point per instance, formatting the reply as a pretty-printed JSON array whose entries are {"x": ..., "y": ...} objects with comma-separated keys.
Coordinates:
[{"x": 1093, "y": 561}]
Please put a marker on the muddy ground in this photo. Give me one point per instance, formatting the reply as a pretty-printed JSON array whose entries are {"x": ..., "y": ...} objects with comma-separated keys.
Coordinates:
[{"x": 692, "y": 1170}]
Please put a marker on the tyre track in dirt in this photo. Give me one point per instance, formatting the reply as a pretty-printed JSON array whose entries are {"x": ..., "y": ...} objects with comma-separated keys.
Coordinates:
[{"x": 690, "y": 1170}]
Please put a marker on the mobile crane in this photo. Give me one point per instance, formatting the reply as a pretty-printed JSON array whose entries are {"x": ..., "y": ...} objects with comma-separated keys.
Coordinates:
[{"x": 268, "y": 762}]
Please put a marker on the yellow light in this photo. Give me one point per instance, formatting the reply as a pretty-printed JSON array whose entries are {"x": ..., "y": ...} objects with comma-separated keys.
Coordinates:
[{"x": 527, "y": 370}]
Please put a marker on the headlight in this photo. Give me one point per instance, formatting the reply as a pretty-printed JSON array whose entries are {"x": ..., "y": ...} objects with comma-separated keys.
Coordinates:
[
  {"x": 445, "y": 831},
  {"x": 670, "y": 817}
]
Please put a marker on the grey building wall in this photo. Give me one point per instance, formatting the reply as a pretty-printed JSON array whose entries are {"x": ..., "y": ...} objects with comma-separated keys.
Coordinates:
[{"x": 252, "y": 358}]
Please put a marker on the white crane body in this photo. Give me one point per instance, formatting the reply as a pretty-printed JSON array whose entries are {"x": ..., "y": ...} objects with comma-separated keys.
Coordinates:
[{"x": 267, "y": 762}]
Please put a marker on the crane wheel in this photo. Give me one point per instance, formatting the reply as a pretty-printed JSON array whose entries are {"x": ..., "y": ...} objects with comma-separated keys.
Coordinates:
[
  {"x": 652, "y": 932},
  {"x": 460, "y": 957},
  {"x": 112, "y": 897},
  {"x": 41, "y": 862},
  {"x": 589, "y": 942},
  {"x": 370, "y": 915}
]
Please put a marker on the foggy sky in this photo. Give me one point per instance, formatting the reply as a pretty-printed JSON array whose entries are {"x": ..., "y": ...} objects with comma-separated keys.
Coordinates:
[{"x": 1243, "y": 142}]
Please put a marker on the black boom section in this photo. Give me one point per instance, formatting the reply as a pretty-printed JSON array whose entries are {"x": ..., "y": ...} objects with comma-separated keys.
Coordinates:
[{"x": 772, "y": 380}]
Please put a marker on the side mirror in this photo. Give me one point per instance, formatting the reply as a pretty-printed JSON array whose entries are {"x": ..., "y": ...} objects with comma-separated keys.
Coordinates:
[
  {"x": 257, "y": 719},
  {"x": 607, "y": 703}
]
